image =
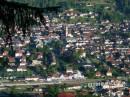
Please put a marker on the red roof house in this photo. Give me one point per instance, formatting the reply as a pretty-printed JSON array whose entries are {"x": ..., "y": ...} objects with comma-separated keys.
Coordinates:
[{"x": 66, "y": 94}]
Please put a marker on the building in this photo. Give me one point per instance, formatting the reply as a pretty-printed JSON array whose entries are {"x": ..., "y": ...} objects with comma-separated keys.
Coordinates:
[
  {"x": 109, "y": 73},
  {"x": 98, "y": 74},
  {"x": 66, "y": 94}
]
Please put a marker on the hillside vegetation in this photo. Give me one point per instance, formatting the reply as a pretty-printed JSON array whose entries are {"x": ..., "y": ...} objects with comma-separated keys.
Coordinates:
[{"x": 120, "y": 8}]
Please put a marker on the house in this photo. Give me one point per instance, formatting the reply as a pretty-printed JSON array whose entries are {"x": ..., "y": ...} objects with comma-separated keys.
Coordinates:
[
  {"x": 56, "y": 76},
  {"x": 22, "y": 68},
  {"x": 5, "y": 53},
  {"x": 23, "y": 59},
  {"x": 113, "y": 84},
  {"x": 71, "y": 40},
  {"x": 10, "y": 70},
  {"x": 49, "y": 78},
  {"x": 32, "y": 79},
  {"x": 36, "y": 62},
  {"x": 66, "y": 77},
  {"x": 1, "y": 56},
  {"x": 69, "y": 70},
  {"x": 83, "y": 55},
  {"x": 11, "y": 61},
  {"x": 71, "y": 12},
  {"x": 98, "y": 74},
  {"x": 19, "y": 53},
  {"x": 39, "y": 55},
  {"x": 82, "y": 52},
  {"x": 37, "y": 90},
  {"x": 62, "y": 77},
  {"x": 75, "y": 88},
  {"x": 88, "y": 66},
  {"x": 39, "y": 43},
  {"x": 109, "y": 58},
  {"x": 27, "y": 41},
  {"x": 128, "y": 51},
  {"x": 23, "y": 64},
  {"x": 66, "y": 94},
  {"x": 28, "y": 53},
  {"x": 109, "y": 73},
  {"x": 53, "y": 63},
  {"x": 20, "y": 44},
  {"x": 53, "y": 59},
  {"x": 78, "y": 75}
]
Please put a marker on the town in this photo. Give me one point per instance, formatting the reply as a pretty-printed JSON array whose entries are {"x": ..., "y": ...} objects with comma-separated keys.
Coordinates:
[{"x": 74, "y": 48}]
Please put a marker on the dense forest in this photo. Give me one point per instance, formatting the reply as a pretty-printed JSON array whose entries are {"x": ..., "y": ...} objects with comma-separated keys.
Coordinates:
[
  {"x": 40, "y": 3},
  {"x": 122, "y": 5}
]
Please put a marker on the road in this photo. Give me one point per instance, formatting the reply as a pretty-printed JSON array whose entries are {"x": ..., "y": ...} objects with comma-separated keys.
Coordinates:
[{"x": 69, "y": 82}]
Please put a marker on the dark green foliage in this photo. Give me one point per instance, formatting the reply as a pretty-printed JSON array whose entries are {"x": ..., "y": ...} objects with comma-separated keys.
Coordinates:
[
  {"x": 123, "y": 6},
  {"x": 38, "y": 3},
  {"x": 52, "y": 91}
]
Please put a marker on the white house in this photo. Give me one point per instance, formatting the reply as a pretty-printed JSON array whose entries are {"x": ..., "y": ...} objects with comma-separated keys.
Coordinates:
[
  {"x": 49, "y": 79},
  {"x": 22, "y": 68},
  {"x": 9, "y": 70},
  {"x": 18, "y": 54},
  {"x": 36, "y": 62},
  {"x": 32, "y": 79},
  {"x": 109, "y": 73},
  {"x": 70, "y": 70},
  {"x": 78, "y": 75},
  {"x": 23, "y": 64}
]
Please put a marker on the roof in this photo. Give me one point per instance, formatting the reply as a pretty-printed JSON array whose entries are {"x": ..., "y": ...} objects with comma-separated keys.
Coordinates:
[
  {"x": 98, "y": 73},
  {"x": 11, "y": 59},
  {"x": 66, "y": 94}
]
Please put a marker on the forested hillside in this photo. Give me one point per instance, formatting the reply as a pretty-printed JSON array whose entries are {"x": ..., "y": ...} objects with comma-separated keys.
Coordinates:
[
  {"x": 121, "y": 8},
  {"x": 39, "y": 3}
]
